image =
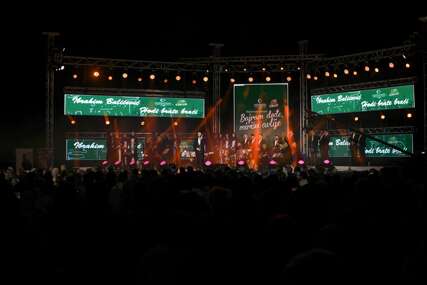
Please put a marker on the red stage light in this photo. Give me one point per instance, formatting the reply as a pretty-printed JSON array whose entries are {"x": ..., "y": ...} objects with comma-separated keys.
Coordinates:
[
  {"x": 163, "y": 163},
  {"x": 301, "y": 162},
  {"x": 273, "y": 162},
  {"x": 241, "y": 162},
  {"x": 208, "y": 163}
]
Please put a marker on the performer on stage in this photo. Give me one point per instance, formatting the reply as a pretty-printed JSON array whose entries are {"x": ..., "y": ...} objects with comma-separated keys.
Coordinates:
[
  {"x": 116, "y": 149},
  {"x": 313, "y": 145},
  {"x": 166, "y": 148},
  {"x": 226, "y": 149},
  {"x": 233, "y": 149},
  {"x": 357, "y": 147},
  {"x": 362, "y": 146},
  {"x": 324, "y": 145},
  {"x": 132, "y": 147},
  {"x": 200, "y": 148},
  {"x": 126, "y": 151}
]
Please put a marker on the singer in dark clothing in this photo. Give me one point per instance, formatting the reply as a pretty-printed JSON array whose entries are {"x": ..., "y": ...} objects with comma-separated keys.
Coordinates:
[
  {"x": 324, "y": 145},
  {"x": 200, "y": 148}
]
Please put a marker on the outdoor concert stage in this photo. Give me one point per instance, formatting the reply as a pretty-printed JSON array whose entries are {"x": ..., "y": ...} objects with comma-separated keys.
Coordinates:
[{"x": 153, "y": 111}]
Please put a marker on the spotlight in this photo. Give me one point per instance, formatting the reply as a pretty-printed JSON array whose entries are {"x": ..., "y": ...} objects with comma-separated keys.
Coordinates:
[
  {"x": 335, "y": 75},
  {"x": 232, "y": 80},
  {"x": 309, "y": 76},
  {"x": 376, "y": 69},
  {"x": 142, "y": 123},
  {"x": 178, "y": 77},
  {"x": 301, "y": 162},
  {"x": 288, "y": 78},
  {"x": 208, "y": 163},
  {"x": 251, "y": 79},
  {"x": 125, "y": 75},
  {"x": 404, "y": 56},
  {"x": 367, "y": 68},
  {"x": 194, "y": 81},
  {"x": 132, "y": 162},
  {"x": 409, "y": 115},
  {"x": 355, "y": 73},
  {"x": 139, "y": 79},
  {"x": 75, "y": 76},
  {"x": 165, "y": 81},
  {"x": 117, "y": 163},
  {"x": 73, "y": 122},
  {"x": 327, "y": 74},
  {"x": 391, "y": 65},
  {"x": 146, "y": 162},
  {"x": 326, "y": 162},
  {"x": 205, "y": 79},
  {"x": 382, "y": 116},
  {"x": 105, "y": 162},
  {"x": 152, "y": 76},
  {"x": 62, "y": 67},
  {"x": 107, "y": 122},
  {"x": 96, "y": 74},
  {"x": 356, "y": 119},
  {"x": 264, "y": 69},
  {"x": 245, "y": 69},
  {"x": 175, "y": 123},
  {"x": 407, "y": 65},
  {"x": 226, "y": 70},
  {"x": 315, "y": 77},
  {"x": 268, "y": 79},
  {"x": 110, "y": 77},
  {"x": 163, "y": 163},
  {"x": 272, "y": 162},
  {"x": 346, "y": 71},
  {"x": 282, "y": 68},
  {"x": 241, "y": 162}
]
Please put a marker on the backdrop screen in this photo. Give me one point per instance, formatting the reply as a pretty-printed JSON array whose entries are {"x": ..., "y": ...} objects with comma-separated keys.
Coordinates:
[
  {"x": 339, "y": 146},
  {"x": 121, "y": 106},
  {"x": 86, "y": 149},
  {"x": 261, "y": 108},
  {"x": 388, "y": 98}
]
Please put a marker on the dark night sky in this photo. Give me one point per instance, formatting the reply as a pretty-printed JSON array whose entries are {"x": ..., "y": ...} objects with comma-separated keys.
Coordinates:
[{"x": 160, "y": 36}]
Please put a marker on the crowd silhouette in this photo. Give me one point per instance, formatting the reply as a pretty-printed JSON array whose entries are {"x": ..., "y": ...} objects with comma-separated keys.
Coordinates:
[{"x": 213, "y": 226}]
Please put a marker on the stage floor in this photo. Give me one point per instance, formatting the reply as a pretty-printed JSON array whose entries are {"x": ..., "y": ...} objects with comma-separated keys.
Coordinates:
[{"x": 357, "y": 168}]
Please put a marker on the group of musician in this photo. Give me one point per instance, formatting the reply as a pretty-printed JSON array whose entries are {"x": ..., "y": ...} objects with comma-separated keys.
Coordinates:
[
  {"x": 318, "y": 145},
  {"x": 253, "y": 149},
  {"x": 127, "y": 149}
]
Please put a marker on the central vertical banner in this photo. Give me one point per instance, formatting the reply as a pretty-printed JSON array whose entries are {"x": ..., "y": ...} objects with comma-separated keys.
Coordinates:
[{"x": 261, "y": 109}]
